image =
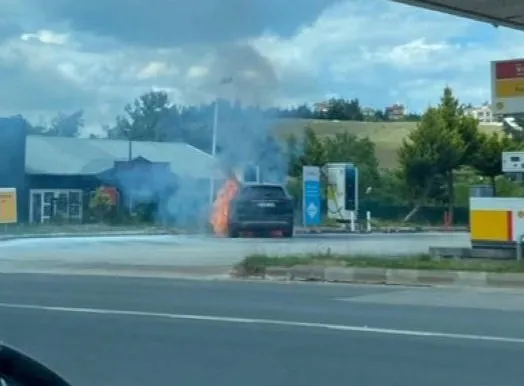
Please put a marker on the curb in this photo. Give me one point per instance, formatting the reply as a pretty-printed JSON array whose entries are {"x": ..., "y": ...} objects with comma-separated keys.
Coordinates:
[
  {"x": 408, "y": 277},
  {"x": 86, "y": 234},
  {"x": 302, "y": 231}
]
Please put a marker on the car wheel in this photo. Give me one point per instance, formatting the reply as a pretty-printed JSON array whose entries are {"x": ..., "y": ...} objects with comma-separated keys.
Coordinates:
[
  {"x": 288, "y": 233},
  {"x": 233, "y": 232}
]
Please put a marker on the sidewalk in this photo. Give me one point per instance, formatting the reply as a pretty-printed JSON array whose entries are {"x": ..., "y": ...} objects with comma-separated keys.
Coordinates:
[{"x": 30, "y": 232}]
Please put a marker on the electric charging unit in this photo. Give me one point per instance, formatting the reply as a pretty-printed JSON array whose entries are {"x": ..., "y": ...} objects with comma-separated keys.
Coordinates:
[{"x": 342, "y": 191}]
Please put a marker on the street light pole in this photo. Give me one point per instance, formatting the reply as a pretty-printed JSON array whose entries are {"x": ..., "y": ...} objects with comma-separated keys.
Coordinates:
[
  {"x": 130, "y": 159},
  {"x": 223, "y": 81},
  {"x": 213, "y": 152}
]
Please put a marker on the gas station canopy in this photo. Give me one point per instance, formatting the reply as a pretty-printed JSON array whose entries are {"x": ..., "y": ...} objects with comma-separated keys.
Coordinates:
[{"x": 506, "y": 13}]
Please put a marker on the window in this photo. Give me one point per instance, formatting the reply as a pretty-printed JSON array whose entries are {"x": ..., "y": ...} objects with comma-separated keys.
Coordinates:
[
  {"x": 263, "y": 192},
  {"x": 75, "y": 204},
  {"x": 47, "y": 205}
]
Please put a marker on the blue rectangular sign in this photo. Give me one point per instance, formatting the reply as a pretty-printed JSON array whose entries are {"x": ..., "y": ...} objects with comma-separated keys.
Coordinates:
[{"x": 311, "y": 196}]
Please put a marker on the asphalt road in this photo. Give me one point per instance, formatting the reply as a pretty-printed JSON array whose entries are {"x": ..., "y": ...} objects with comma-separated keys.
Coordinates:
[
  {"x": 25, "y": 255},
  {"x": 118, "y": 331}
]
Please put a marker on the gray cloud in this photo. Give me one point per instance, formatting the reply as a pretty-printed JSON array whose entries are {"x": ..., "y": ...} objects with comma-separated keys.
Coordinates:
[
  {"x": 111, "y": 42},
  {"x": 178, "y": 22},
  {"x": 30, "y": 89}
]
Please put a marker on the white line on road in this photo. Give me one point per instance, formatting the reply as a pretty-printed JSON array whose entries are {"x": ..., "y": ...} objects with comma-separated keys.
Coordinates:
[{"x": 226, "y": 319}]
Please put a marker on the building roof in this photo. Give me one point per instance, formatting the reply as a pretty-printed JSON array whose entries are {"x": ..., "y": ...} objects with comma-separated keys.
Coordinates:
[
  {"x": 507, "y": 13},
  {"x": 79, "y": 156}
]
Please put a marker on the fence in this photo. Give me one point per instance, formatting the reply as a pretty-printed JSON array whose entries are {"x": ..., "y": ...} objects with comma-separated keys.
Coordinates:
[{"x": 426, "y": 215}]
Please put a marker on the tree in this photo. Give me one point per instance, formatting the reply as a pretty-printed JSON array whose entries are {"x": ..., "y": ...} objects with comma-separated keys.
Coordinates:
[
  {"x": 429, "y": 152},
  {"x": 144, "y": 119},
  {"x": 464, "y": 131},
  {"x": 292, "y": 152},
  {"x": 346, "y": 147},
  {"x": 314, "y": 152},
  {"x": 63, "y": 125},
  {"x": 343, "y": 110},
  {"x": 488, "y": 160}
]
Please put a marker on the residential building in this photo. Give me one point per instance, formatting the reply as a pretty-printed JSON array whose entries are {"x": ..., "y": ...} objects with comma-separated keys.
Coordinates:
[
  {"x": 482, "y": 113},
  {"x": 396, "y": 112},
  {"x": 322, "y": 107},
  {"x": 368, "y": 112}
]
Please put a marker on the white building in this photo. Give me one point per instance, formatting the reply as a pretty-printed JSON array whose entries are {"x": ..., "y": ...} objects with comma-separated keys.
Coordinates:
[{"x": 482, "y": 113}]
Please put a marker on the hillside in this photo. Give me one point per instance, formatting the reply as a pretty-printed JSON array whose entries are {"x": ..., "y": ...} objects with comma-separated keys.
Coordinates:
[{"x": 387, "y": 136}]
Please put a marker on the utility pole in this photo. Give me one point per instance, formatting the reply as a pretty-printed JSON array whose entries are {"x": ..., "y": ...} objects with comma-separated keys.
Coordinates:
[{"x": 223, "y": 81}]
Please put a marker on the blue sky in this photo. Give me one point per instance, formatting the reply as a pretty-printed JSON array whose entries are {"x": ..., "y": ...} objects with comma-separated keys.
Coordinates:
[{"x": 62, "y": 55}]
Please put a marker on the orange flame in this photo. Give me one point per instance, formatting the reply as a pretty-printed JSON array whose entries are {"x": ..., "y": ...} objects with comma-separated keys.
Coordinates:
[{"x": 220, "y": 214}]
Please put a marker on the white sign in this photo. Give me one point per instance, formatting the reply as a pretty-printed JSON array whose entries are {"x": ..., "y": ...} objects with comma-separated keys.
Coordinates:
[
  {"x": 312, "y": 210},
  {"x": 513, "y": 162},
  {"x": 311, "y": 173},
  {"x": 311, "y": 196}
]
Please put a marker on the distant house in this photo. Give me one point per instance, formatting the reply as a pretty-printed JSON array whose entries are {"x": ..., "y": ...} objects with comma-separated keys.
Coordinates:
[
  {"x": 322, "y": 107},
  {"x": 396, "y": 112},
  {"x": 55, "y": 176},
  {"x": 482, "y": 113},
  {"x": 369, "y": 112}
]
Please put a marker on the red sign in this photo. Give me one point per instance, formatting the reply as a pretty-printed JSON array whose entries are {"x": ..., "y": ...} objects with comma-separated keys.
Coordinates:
[{"x": 510, "y": 69}]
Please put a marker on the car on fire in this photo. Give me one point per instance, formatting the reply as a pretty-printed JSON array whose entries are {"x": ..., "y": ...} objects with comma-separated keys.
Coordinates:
[{"x": 259, "y": 208}]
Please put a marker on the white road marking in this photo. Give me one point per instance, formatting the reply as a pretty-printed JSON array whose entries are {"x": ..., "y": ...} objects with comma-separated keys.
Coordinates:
[{"x": 226, "y": 319}]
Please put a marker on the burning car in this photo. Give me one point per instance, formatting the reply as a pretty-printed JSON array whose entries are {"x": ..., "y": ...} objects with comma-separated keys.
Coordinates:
[{"x": 252, "y": 208}]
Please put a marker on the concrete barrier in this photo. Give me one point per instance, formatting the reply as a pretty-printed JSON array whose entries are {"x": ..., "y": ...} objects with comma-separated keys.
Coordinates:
[
  {"x": 472, "y": 253},
  {"x": 397, "y": 276}
]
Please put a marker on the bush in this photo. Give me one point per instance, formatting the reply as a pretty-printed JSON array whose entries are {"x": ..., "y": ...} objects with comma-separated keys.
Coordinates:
[{"x": 101, "y": 205}]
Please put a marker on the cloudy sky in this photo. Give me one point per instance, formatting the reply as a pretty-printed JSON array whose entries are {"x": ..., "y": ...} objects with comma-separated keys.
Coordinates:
[{"x": 62, "y": 55}]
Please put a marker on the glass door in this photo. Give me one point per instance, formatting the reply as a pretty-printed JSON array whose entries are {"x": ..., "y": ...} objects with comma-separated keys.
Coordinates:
[
  {"x": 61, "y": 208},
  {"x": 47, "y": 206},
  {"x": 36, "y": 208}
]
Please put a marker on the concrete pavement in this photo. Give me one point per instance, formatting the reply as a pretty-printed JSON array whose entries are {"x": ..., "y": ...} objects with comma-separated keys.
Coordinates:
[
  {"x": 178, "y": 252},
  {"x": 134, "y": 331}
]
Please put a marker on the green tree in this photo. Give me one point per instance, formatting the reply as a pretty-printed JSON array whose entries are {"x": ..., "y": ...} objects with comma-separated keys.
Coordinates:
[
  {"x": 292, "y": 152},
  {"x": 429, "y": 152},
  {"x": 61, "y": 125},
  {"x": 464, "y": 131},
  {"x": 314, "y": 151},
  {"x": 66, "y": 125},
  {"x": 145, "y": 119},
  {"x": 346, "y": 147},
  {"x": 342, "y": 110},
  {"x": 488, "y": 160}
]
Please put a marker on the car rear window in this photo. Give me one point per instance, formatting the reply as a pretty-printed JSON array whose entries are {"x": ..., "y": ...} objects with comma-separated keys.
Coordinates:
[{"x": 263, "y": 193}]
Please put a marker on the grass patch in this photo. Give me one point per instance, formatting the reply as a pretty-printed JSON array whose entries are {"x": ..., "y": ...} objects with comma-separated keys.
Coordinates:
[
  {"x": 387, "y": 136},
  {"x": 257, "y": 264}
]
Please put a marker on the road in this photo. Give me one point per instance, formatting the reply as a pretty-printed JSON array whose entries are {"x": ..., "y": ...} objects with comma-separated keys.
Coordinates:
[
  {"x": 199, "y": 252},
  {"x": 136, "y": 331}
]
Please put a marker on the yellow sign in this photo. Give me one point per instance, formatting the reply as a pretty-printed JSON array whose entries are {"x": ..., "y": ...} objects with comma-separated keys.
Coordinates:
[
  {"x": 509, "y": 88},
  {"x": 8, "y": 207}
]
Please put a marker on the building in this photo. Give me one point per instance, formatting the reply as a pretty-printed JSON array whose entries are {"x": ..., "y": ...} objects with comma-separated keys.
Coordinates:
[
  {"x": 322, "y": 107},
  {"x": 369, "y": 112},
  {"x": 396, "y": 112},
  {"x": 56, "y": 176},
  {"x": 482, "y": 113}
]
